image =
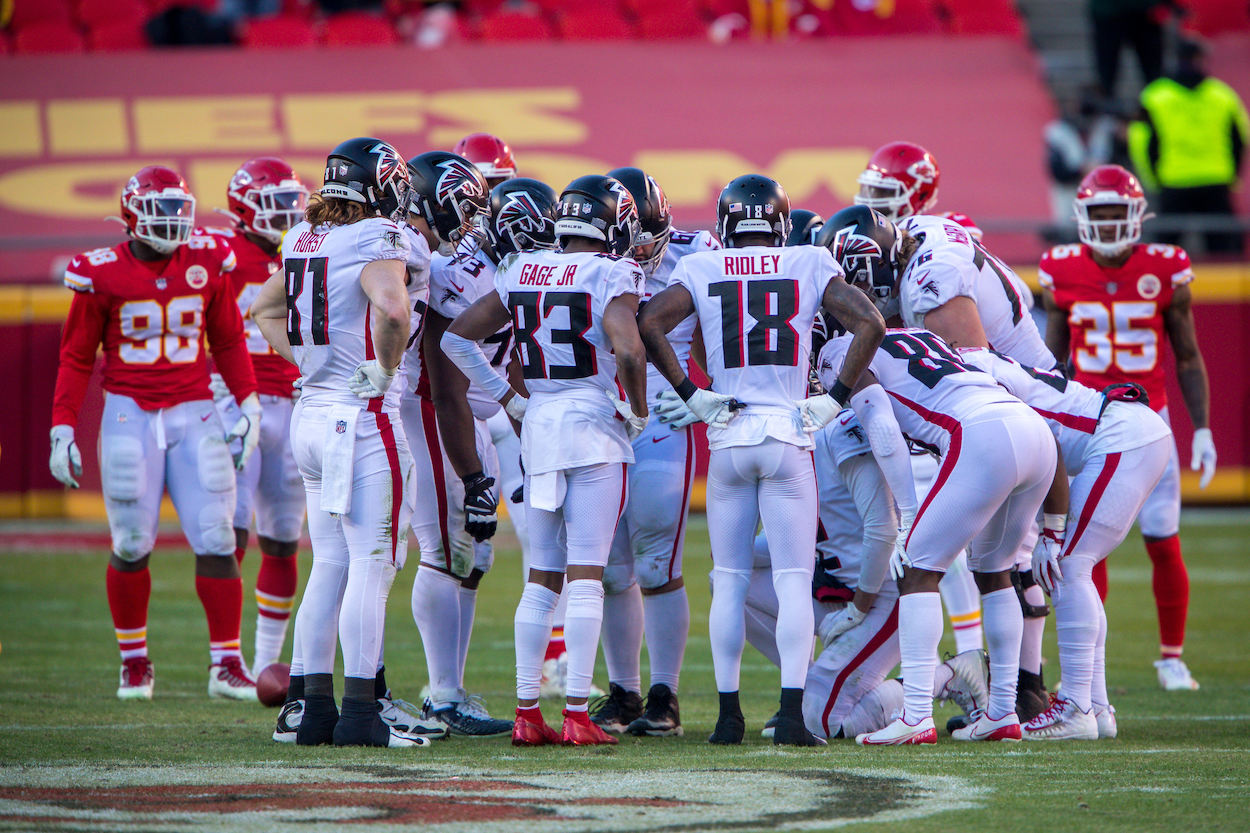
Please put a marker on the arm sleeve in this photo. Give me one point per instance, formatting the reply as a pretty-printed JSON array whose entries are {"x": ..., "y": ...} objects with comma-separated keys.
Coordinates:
[
  {"x": 227, "y": 341},
  {"x": 473, "y": 363},
  {"x": 84, "y": 329},
  {"x": 875, "y": 505},
  {"x": 872, "y": 407}
]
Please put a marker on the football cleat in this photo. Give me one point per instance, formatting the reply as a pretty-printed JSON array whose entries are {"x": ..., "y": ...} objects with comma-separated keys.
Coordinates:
[
  {"x": 460, "y": 721},
  {"x": 1174, "y": 675},
  {"x": 578, "y": 730},
  {"x": 770, "y": 725},
  {"x": 317, "y": 720},
  {"x": 136, "y": 679},
  {"x": 661, "y": 717},
  {"x": 230, "y": 680},
  {"x": 790, "y": 731},
  {"x": 1062, "y": 721},
  {"x": 968, "y": 687},
  {"x": 1031, "y": 696},
  {"x": 403, "y": 716},
  {"x": 730, "y": 728},
  {"x": 983, "y": 728},
  {"x": 371, "y": 730},
  {"x": 288, "y": 721},
  {"x": 617, "y": 710},
  {"x": 527, "y": 732},
  {"x": 1105, "y": 717},
  {"x": 899, "y": 733}
]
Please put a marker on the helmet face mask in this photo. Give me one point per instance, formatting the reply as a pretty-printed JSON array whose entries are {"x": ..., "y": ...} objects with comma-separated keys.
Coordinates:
[
  {"x": 1110, "y": 208},
  {"x": 490, "y": 155},
  {"x": 901, "y": 179},
  {"x": 157, "y": 209},
  {"x": 655, "y": 218},
  {"x": 267, "y": 198},
  {"x": 450, "y": 194},
  {"x": 522, "y": 217},
  {"x": 866, "y": 244}
]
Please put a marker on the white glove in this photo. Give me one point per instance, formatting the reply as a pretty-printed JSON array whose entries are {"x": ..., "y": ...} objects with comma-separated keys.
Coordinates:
[
  {"x": 1048, "y": 551},
  {"x": 818, "y": 411},
  {"x": 65, "y": 462},
  {"x": 1203, "y": 456},
  {"x": 634, "y": 424},
  {"x": 297, "y": 389},
  {"x": 515, "y": 407},
  {"x": 839, "y": 622},
  {"x": 899, "y": 558},
  {"x": 218, "y": 387},
  {"x": 712, "y": 408},
  {"x": 371, "y": 380},
  {"x": 246, "y": 427},
  {"x": 673, "y": 412}
]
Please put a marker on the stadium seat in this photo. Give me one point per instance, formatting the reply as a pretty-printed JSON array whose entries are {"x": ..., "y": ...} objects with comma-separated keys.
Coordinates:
[
  {"x": 982, "y": 17},
  {"x": 908, "y": 17},
  {"x": 117, "y": 37},
  {"x": 26, "y": 12},
  {"x": 505, "y": 25},
  {"x": 642, "y": 8},
  {"x": 1214, "y": 17},
  {"x": 358, "y": 29},
  {"x": 43, "y": 38},
  {"x": 281, "y": 31},
  {"x": 92, "y": 13},
  {"x": 657, "y": 25},
  {"x": 593, "y": 24}
]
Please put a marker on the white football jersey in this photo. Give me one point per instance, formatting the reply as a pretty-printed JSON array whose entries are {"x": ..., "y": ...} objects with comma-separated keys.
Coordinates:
[
  {"x": 756, "y": 306},
  {"x": 419, "y": 267},
  {"x": 1074, "y": 412},
  {"x": 931, "y": 390},
  {"x": 328, "y": 311},
  {"x": 680, "y": 244},
  {"x": 949, "y": 263}
]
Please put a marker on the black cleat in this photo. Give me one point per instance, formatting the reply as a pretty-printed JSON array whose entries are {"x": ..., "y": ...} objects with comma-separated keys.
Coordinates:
[
  {"x": 729, "y": 729},
  {"x": 959, "y": 721},
  {"x": 616, "y": 710},
  {"x": 662, "y": 718},
  {"x": 1031, "y": 696},
  {"x": 361, "y": 724},
  {"x": 318, "y": 722},
  {"x": 791, "y": 731}
]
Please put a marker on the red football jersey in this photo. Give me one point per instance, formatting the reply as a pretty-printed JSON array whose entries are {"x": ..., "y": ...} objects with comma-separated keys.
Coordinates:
[
  {"x": 152, "y": 319},
  {"x": 1115, "y": 316},
  {"x": 275, "y": 376}
]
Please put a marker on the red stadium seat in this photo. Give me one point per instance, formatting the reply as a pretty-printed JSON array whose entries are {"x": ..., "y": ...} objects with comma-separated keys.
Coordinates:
[
  {"x": 982, "y": 17},
  {"x": 642, "y": 8},
  {"x": 594, "y": 24},
  {"x": 26, "y": 12},
  {"x": 93, "y": 13},
  {"x": 117, "y": 37},
  {"x": 358, "y": 29},
  {"x": 42, "y": 38},
  {"x": 671, "y": 25},
  {"x": 1214, "y": 17},
  {"x": 908, "y": 17},
  {"x": 280, "y": 31},
  {"x": 505, "y": 25}
]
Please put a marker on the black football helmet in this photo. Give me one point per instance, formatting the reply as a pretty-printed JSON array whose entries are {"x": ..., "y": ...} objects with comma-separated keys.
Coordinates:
[
  {"x": 601, "y": 208},
  {"x": 865, "y": 244},
  {"x": 371, "y": 172},
  {"x": 803, "y": 227},
  {"x": 655, "y": 220},
  {"x": 450, "y": 193},
  {"x": 522, "y": 216},
  {"x": 753, "y": 204}
]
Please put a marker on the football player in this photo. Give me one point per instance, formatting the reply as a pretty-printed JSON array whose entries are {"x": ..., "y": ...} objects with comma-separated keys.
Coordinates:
[
  {"x": 266, "y": 198},
  {"x": 341, "y": 311},
  {"x": 490, "y": 155},
  {"x": 572, "y": 314},
  {"x": 1111, "y": 302},
  {"x": 152, "y": 303},
  {"x": 643, "y": 584},
  {"x": 755, "y": 302}
]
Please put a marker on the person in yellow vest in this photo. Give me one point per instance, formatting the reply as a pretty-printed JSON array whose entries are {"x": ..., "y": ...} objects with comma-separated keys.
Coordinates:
[{"x": 1189, "y": 144}]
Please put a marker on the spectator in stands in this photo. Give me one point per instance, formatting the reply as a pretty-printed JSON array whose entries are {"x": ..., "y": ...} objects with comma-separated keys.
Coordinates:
[
  {"x": 1189, "y": 145},
  {"x": 1138, "y": 23},
  {"x": 1088, "y": 132},
  {"x": 235, "y": 11}
]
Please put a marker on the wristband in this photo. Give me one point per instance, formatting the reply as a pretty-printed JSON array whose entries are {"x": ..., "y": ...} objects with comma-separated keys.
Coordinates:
[
  {"x": 1056, "y": 523},
  {"x": 840, "y": 393},
  {"x": 469, "y": 478},
  {"x": 686, "y": 389}
]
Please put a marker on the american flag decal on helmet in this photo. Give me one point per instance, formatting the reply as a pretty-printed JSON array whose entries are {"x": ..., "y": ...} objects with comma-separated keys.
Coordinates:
[
  {"x": 847, "y": 243},
  {"x": 457, "y": 177}
]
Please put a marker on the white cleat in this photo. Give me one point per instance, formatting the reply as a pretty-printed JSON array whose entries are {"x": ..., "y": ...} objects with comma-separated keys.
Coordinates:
[
  {"x": 136, "y": 679},
  {"x": 1174, "y": 675},
  {"x": 288, "y": 721},
  {"x": 1004, "y": 728},
  {"x": 1064, "y": 720},
  {"x": 1104, "y": 715},
  {"x": 404, "y": 740},
  {"x": 406, "y": 718},
  {"x": 899, "y": 733},
  {"x": 968, "y": 688},
  {"x": 230, "y": 680}
]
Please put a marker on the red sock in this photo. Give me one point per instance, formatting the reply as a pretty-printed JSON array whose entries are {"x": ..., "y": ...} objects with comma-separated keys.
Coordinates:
[
  {"x": 533, "y": 714},
  {"x": 1099, "y": 575},
  {"x": 1171, "y": 587},
  {"x": 223, "y": 607},
  {"x": 239, "y": 552},
  {"x": 275, "y": 585},
  {"x": 128, "y": 602},
  {"x": 555, "y": 647}
]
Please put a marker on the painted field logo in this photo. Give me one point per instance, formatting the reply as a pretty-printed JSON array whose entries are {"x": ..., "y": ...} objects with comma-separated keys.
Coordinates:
[{"x": 444, "y": 799}]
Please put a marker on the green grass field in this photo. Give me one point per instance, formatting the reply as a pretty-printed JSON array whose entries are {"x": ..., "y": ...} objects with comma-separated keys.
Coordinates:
[{"x": 72, "y": 757}]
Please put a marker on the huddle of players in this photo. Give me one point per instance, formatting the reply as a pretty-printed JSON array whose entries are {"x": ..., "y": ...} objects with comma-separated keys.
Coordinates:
[{"x": 359, "y": 282}]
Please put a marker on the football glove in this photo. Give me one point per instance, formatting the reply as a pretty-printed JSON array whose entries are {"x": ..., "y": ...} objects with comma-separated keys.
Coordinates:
[
  {"x": 515, "y": 407},
  {"x": 371, "y": 379},
  {"x": 634, "y": 424},
  {"x": 247, "y": 427},
  {"x": 818, "y": 411},
  {"x": 65, "y": 461},
  {"x": 297, "y": 388},
  {"x": 1048, "y": 551},
  {"x": 673, "y": 412},
  {"x": 480, "y": 520},
  {"x": 899, "y": 558},
  {"x": 218, "y": 387},
  {"x": 712, "y": 408},
  {"x": 839, "y": 622},
  {"x": 1203, "y": 456}
]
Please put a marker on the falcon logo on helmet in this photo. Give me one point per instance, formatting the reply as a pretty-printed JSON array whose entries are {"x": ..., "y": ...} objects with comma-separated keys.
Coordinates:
[
  {"x": 848, "y": 243},
  {"x": 457, "y": 178},
  {"x": 389, "y": 164},
  {"x": 521, "y": 213}
]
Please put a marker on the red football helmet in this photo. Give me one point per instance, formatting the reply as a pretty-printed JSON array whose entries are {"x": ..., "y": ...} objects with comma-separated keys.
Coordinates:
[
  {"x": 964, "y": 220},
  {"x": 266, "y": 197},
  {"x": 489, "y": 154},
  {"x": 901, "y": 180},
  {"x": 158, "y": 209},
  {"x": 1115, "y": 186}
]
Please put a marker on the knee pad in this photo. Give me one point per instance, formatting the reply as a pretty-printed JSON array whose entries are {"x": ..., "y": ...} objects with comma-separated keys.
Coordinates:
[
  {"x": 618, "y": 577},
  {"x": 123, "y": 474},
  {"x": 653, "y": 571},
  {"x": 133, "y": 544},
  {"x": 216, "y": 532},
  {"x": 215, "y": 468},
  {"x": 1022, "y": 580}
]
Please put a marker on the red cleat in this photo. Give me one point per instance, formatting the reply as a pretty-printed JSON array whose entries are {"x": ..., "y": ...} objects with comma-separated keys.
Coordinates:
[
  {"x": 529, "y": 732},
  {"x": 578, "y": 730}
]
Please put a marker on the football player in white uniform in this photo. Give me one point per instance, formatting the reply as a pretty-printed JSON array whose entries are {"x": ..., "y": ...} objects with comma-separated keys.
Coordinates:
[
  {"x": 643, "y": 584},
  {"x": 340, "y": 310},
  {"x": 573, "y": 317},
  {"x": 756, "y": 302}
]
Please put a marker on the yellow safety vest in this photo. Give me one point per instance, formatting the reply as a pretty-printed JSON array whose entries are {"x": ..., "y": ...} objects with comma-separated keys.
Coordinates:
[{"x": 1194, "y": 133}]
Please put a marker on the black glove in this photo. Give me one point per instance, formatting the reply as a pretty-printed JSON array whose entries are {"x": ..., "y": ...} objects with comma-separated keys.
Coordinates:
[
  {"x": 479, "y": 506},
  {"x": 518, "y": 494}
]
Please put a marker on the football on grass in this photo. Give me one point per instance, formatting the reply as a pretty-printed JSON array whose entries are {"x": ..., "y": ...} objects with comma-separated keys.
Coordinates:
[{"x": 272, "y": 683}]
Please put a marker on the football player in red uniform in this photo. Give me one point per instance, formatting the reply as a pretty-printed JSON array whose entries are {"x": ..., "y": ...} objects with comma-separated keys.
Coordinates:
[
  {"x": 151, "y": 302},
  {"x": 1110, "y": 303},
  {"x": 266, "y": 198},
  {"x": 490, "y": 155}
]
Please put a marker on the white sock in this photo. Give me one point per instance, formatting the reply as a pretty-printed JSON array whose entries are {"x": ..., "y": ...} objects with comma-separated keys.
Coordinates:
[
  {"x": 297, "y": 654},
  {"x": 1004, "y": 628},
  {"x": 796, "y": 627},
  {"x": 562, "y": 604},
  {"x": 362, "y": 618},
  {"x": 436, "y": 609},
  {"x": 875, "y": 710},
  {"x": 962, "y": 601},
  {"x": 919, "y": 632},
  {"x": 583, "y": 620},
  {"x": 1034, "y": 630},
  {"x": 727, "y": 625},
  {"x": 667, "y": 617},
  {"x": 622, "y": 637},
  {"x": 468, "y": 609},
  {"x": 1098, "y": 684},
  {"x": 531, "y": 630}
]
